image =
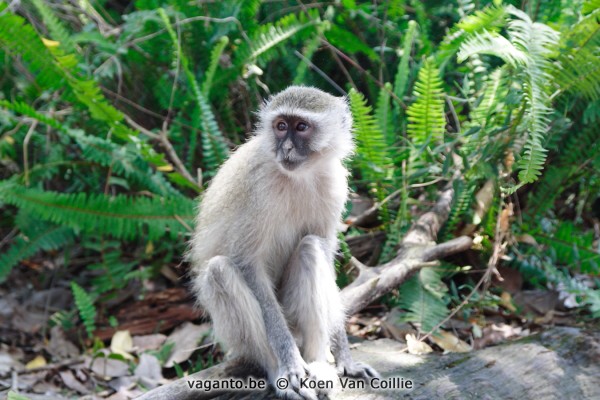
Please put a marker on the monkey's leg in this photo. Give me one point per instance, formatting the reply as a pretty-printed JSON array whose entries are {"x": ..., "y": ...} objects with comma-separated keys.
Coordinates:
[
  {"x": 248, "y": 319},
  {"x": 310, "y": 297},
  {"x": 235, "y": 312},
  {"x": 343, "y": 359},
  {"x": 311, "y": 301}
]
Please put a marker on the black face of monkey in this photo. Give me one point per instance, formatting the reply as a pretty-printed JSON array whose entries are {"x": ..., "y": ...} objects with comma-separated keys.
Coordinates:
[{"x": 292, "y": 138}]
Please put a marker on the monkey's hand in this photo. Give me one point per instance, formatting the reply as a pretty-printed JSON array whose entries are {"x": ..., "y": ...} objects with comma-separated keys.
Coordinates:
[{"x": 356, "y": 370}]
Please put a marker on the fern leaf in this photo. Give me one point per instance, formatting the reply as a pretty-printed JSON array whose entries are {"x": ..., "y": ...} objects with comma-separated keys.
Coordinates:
[
  {"x": 528, "y": 51},
  {"x": 463, "y": 198},
  {"x": 17, "y": 37},
  {"x": 492, "y": 44},
  {"x": 43, "y": 237},
  {"x": 215, "y": 57},
  {"x": 86, "y": 308},
  {"x": 538, "y": 41},
  {"x": 580, "y": 148},
  {"x": 121, "y": 217},
  {"x": 423, "y": 297},
  {"x": 56, "y": 28},
  {"x": 492, "y": 100},
  {"x": 88, "y": 93},
  {"x": 590, "y": 6},
  {"x": 403, "y": 73},
  {"x": 383, "y": 113},
  {"x": 269, "y": 37},
  {"x": 490, "y": 18},
  {"x": 579, "y": 60},
  {"x": 213, "y": 142},
  {"x": 372, "y": 153},
  {"x": 426, "y": 120},
  {"x": 573, "y": 248},
  {"x": 124, "y": 160}
]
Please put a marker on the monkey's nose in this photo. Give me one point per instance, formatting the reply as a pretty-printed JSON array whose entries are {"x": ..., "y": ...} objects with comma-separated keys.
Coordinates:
[{"x": 287, "y": 148}]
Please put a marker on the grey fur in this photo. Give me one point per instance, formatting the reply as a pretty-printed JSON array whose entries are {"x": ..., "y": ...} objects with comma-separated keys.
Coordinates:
[{"x": 265, "y": 240}]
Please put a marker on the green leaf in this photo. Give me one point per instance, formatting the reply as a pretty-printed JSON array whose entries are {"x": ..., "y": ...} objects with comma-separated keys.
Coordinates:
[
  {"x": 56, "y": 28},
  {"x": 213, "y": 142},
  {"x": 349, "y": 42},
  {"x": 123, "y": 160},
  {"x": 403, "y": 73},
  {"x": 120, "y": 216},
  {"x": 86, "y": 308},
  {"x": 42, "y": 237},
  {"x": 426, "y": 120},
  {"x": 20, "y": 39},
  {"x": 215, "y": 57},
  {"x": 372, "y": 156},
  {"x": 423, "y": 297}
]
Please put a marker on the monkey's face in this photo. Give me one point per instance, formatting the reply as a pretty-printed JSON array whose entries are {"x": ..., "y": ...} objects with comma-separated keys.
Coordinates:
[
  {"x": 293, "y": 135},
  {"x": 304, "y": 126}
]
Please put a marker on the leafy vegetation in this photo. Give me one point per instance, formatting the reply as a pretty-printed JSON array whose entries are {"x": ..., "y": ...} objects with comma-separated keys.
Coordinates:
[{"x": 115, "y": 115}]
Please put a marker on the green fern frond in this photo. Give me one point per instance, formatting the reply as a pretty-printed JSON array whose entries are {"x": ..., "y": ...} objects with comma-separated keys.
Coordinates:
[
  {"x": 372, "y": 152},
  {"x": 463, "y": 198},
  {"x": 579, "y": 60},
  {"x": 573, "y": 248},
  {"x": 111, "y": 272},
  {"x": 86, "y": 308},
  {"x": 532, "y": 163},
  {"x": 43, "y": 237},
  {"x": 423, "y": 297},
  {"x": 56, "y": 28},
  {"x": 383, "y": 114},
  {"x": 17, "y": 37},
  {"x": 215, "y": 57},
  {"x": 528, "y": 51},
  {"x": 214, "y": 148},
  {"x": 580, "y": 148},
  {"x": 88, "y": 93},
  {"x": 494, "y": 44},
  {"x": 424, "y": 21},
  {"x": 590, "y": 6},
  {"x": 403, "y": 73},
  {"x": 426, "y": 120},
  {"x": 538, "y": 41},
  {"x": 269, "y": 37},
  {"x": 348, "y": 42},
  {"x": 491, "y": 104},
  {"x": 122, "y": 217},
  {"x": 123, "y": 160},
  {"x": 491, "y": 18}
]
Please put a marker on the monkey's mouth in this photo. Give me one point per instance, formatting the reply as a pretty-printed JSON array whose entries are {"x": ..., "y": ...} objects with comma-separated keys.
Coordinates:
[{"x": 290, "y": 164}]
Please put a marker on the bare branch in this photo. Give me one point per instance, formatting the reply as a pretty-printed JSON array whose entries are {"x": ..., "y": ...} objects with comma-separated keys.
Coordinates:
[{"x": 164, "y": 141}]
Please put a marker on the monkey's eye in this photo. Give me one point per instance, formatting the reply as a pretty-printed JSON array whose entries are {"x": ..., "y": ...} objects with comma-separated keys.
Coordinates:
[
  {"x": 301, "y": 127},
  {"x": 281, "y": 126}
]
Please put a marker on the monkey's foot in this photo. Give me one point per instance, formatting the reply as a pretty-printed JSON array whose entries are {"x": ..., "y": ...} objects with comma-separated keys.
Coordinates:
[
  {"x": 357, "y": 370},
  {"x": 291, "y": 384}
]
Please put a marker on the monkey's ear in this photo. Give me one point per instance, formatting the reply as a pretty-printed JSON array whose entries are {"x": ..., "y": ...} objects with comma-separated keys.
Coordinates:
[
  {"x": 265, "y": 103},
  {"x": 345, "y": 100}
]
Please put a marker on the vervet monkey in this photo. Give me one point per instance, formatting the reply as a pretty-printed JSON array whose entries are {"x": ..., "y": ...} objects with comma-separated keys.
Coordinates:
[{"x": 265, "y": 240}]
